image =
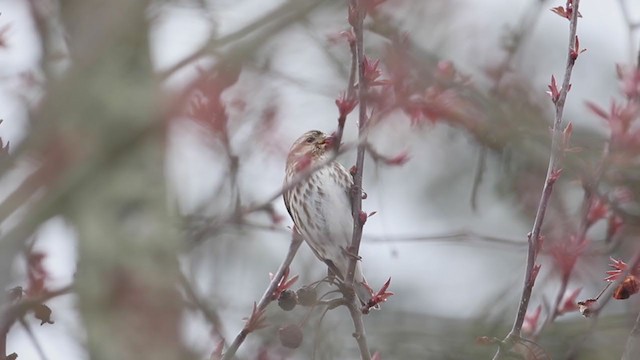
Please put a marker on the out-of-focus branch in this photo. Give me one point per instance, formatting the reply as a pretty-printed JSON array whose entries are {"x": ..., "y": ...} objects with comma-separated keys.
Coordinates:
[
  {"x": 631, "y": 28},
  {"x": 553, "y": 172},
  {"x": 34, "y": 340},
  {"x": 517, "y": 38},
  {"x": 271, "y": 22},
  {"x": 210, "y": 314},
  {"x": 632, "y": 348},
  {"x": 267, "y": 297},
  {"x": 213, "y": 225},
  {"x": 349, "y": 98}
]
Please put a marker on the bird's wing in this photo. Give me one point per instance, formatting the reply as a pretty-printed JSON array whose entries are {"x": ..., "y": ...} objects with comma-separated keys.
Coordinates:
[
  {"x": 285, "y": 196},
  {"x": 339, "y": 219}
]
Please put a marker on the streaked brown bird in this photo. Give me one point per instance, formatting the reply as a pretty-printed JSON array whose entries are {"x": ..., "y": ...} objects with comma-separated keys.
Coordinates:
[{"x": 320, "y": 205}]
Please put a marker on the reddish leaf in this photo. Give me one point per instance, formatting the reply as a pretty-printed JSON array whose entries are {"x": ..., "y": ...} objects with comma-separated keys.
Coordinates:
[
  {"x": 284, "y": 284},
  {"x": 257, "y": 319},
  {"x": 597, "y": 110},
  {"x": 381, "y": 296},
  {"x": 530, "y": 323},
  {"x": 598, "y": 209},
  {"x": 618, "y": 267},
  {"x": 345, "y": 105}
]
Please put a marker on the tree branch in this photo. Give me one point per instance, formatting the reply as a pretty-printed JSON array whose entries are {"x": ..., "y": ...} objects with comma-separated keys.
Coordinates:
[
  {"x": 12, "y": 312},
  {"x": 553, "y": 171},
  {"x": 632, "y": 348},
  {"x": 356, "y": 8},
  {"x": 271, "y": 22},
  {"x": 267, "y": 297},
  {"x": 211, "y": 315}
]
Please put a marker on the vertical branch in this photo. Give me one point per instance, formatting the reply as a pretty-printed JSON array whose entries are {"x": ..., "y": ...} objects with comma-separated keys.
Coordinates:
[
  {"x": 349, "y": 99},
  {"x": 553, "y": 172},
  {"x": 356, "y": 193},
  {"x": 631, "y": 26},
  {"x": 517, "y": 37},
  {"x": 356, "y": 18},
  {"x": 211, "y": 315}
]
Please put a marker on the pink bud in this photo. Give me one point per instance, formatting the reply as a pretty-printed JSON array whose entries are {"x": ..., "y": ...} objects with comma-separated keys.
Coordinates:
[
  {"x": 553, "y": 90},
  {"x": 362, "y": 217},
  {"x": 555, "y": 175},
  {"x": 345, "y": 105}
]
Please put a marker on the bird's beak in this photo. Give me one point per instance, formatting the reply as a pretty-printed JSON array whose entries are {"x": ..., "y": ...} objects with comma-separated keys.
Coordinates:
[{"x": 328, "y": 141}]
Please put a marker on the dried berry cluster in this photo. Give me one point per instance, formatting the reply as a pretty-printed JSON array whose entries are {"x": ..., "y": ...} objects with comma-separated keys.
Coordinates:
[{"x": 305, "y": 296}]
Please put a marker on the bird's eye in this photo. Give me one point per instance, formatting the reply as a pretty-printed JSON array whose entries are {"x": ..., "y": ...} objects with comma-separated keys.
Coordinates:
[{"x": 309, "y": 140}]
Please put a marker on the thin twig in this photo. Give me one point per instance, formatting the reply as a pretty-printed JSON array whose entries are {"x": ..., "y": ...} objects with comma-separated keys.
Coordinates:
[
  {"x": 631, "y": 27},
  {"x": 632, "y": 348},
  {"x": 477, "y": 178},
  {"x": 12, "y": 312},
  {"x": 606, "y": 295},
  {"x": 350, "y": 96},
  {"x": 33, "y": 338},
  {"x": 517, "y": 39},
  {"x": 210, "y": 314},
  {"x": 267, "y": 297},
  {"x": 553, "y": 171},
  {"x": 634, "y": 262},
  {"x": 273, "y": 21},
  {"x": 356, "y": 193},
  {"x": 237, "y": 217},
  {"x": 590, "y": 193}
]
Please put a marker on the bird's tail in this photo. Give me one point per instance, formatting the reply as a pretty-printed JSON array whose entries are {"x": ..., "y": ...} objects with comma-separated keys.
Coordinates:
[{"x": 362, "y": 289}]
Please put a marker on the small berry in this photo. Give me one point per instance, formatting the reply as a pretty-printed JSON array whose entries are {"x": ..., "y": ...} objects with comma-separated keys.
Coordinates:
[
  {"x": 290, "y": 336},
  {"x": 287, "y": 300},
  {"x": 307, "y": 296}
]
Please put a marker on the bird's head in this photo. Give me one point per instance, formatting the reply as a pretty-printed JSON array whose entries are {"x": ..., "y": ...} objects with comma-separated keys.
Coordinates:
[{"x": 308, "y": 148}]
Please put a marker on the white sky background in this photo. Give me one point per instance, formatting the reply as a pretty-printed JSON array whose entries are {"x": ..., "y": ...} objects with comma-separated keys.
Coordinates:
[{"x": 431, "y": 270}]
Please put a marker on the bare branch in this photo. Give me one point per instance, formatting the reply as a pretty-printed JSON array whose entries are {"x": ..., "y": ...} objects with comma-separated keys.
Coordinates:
[
  {"x": 33, "y": 338},
  {"x": 356, "y": 8},
  {"x": 632, "y": 348},
  {"x": 553, "y": 172},
  {"x": 210, "y": 314},
  {"x": 271, "y": 22},
  {"x": 12, "y": 312},
  {"x": 267, "y": 297}
]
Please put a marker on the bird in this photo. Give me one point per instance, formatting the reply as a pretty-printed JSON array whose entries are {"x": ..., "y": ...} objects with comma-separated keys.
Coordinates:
[{"x": 320, "y": 205}]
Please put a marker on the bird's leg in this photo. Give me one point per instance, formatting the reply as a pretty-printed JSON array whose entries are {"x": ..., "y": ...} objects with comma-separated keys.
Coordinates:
[{"x": 331, "y": 276}]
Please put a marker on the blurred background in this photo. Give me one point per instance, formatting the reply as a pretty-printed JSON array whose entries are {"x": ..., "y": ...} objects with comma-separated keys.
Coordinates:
[{"x": 136, "y": 133}]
